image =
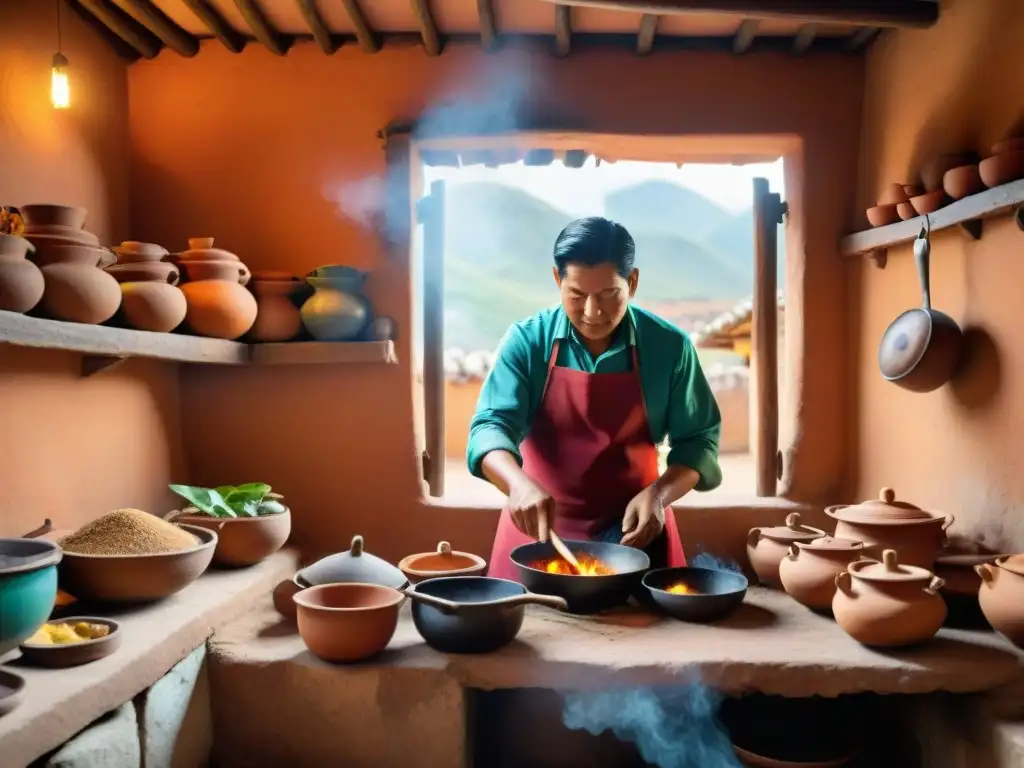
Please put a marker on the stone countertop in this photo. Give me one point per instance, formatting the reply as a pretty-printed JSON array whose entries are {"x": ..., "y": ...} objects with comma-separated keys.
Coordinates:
[
  {"x": 771, "y": 644},
  {"x": 57, "y": 703}
]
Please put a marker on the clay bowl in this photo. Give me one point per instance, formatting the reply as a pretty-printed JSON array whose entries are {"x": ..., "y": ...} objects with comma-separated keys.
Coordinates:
[
  {"x": 137, "y": 578},
  {"x": 1002, "y": 168},
  {"x": 881, "y": 215},
  {"x": 347, "y": 622},
  {"x": 906, "y": 211},
  {"x": 962, "y": 181},
  {"x": 929, "y": 202},
  {"x": 243, "y": 541},
  {"x": 75, "y": 654},
  {"x": 28, "y": 587},
  {"x": 11, "y": 687},
  {"x": 39, "y": 214},
  {"x": 443, "y": 562}
]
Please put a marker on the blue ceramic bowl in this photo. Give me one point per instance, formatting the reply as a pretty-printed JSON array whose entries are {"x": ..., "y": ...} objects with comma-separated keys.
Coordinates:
[{"x": 28, "y": 588}]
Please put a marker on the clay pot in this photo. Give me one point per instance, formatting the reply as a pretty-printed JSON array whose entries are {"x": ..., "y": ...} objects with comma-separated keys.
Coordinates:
[
  {"x": 347, "y": 622},
  {"x": 886, "y": 604},
  {"x": 443, "y": 562},
  {"x": 337, "y": 311},
  {"x": 145, "y": 272},
  {"x": 962, "y": 181},
  {"x": 134, "y": 252},
  {"x": 278, "y": 319},
  {"x": 808, "y": 571},
  {"x": 216, "y": 269},
  {"x": 76, "y": 289},
  {"x": 219, "y": 309},
  {"x": 906, "y": 211},
  {"x": 282, "y": 597},
  {"x": 72, "y": 253},
  {"x": 882, "y": 215},
  {"x": 355, "y": 565},
  {"x": 21, "y": 282},
  {"x": 885, "y": 523},
  {"x": 201, "y": 249},
  {"x": 57, "y": 235},
  {"x": 38, "y": 214},
  {"x": 766, "y": 547},
  {"x": 152, "y": 306},
  {"x": 929, "y": 202},
  {"x": 1002, "y": 596},
  {"x": 243, "y": 541},
  {"x": 934, "y": 169},
  {"x": 1002, "y": 168},
  {"x": 959, "y": 574}
]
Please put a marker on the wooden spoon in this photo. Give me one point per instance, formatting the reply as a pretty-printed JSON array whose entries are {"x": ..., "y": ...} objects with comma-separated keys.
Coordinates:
[{"x": 565, "y": 553}]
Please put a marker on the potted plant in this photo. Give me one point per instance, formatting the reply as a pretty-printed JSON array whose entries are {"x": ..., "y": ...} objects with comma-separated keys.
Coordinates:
[{"x": 251, "y": 521}]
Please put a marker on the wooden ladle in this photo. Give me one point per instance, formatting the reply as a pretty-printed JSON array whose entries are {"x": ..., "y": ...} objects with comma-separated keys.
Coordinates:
[{"x": 564, "y": 552}]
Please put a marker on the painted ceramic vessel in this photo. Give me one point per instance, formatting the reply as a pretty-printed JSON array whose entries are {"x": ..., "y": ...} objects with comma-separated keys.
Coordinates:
[
  {"x": 767, "y": 547},
  {"x": 337, "y": 311}
]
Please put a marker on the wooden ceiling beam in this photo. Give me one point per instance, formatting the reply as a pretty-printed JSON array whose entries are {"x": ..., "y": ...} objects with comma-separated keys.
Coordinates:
[
  {"x": 563, "y": 30},
  {"x": 229, "y": 37},
  {"x": 120, "y": 47},
  {"x": 157, "y": 22},
  {"x": 321, "y": 34},
  {"x": 488, "y": 24},
  {"x": 123, "y": 27},
  {"x": 648, "y": 31},
  {"x": 745, "y": 35},
  {"x": 874, "y": 13},
  {"x": 428, "y": 29},
  {"x": 369, "y": 40},
  {"x": 860, "y": 39},
  {"x": 804, "y": 39},
  {"x": 262, "y": 29}
]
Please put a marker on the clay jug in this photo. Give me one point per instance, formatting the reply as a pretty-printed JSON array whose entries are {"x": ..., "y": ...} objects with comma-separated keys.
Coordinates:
[
  {"x": 766, "y": 547},
  {"x": 337, "y": 311},
  {"x": 278, "y": 319},
  {"x": 21, "y": 282},
  {"x": 77, "y": 290},
  {"x": 808, "y": 571},
  {"x": 1002, "y": 596},
  {"x": 886, "y": 604}
]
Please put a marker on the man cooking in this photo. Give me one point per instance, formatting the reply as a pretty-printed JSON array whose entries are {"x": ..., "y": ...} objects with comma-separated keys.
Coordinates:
[{"x": 569, "y": 418}]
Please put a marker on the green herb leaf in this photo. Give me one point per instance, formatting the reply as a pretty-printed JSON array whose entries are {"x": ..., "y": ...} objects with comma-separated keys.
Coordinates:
[{"x": 206, "y": 500}]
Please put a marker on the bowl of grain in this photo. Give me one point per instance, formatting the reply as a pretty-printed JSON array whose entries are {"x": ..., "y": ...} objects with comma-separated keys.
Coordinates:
[{"x": 131, "y": 556}]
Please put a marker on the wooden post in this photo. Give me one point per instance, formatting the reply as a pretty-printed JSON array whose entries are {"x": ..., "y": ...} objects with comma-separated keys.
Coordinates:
[
  {"x": 768, "y": 209},
  {"x": 431, "y": 215}
]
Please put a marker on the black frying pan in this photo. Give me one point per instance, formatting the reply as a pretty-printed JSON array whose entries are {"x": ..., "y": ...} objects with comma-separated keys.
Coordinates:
[
  {"x": 718, "y": 592},
  {"x": 584, "y": 594}
]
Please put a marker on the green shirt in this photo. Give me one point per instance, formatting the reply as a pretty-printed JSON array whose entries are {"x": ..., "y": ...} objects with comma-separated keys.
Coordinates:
[{"x": 680, "y": 404}]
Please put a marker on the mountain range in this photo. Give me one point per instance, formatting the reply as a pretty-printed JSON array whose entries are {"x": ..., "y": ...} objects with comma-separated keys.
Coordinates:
[{"x": 498, "y": 241}]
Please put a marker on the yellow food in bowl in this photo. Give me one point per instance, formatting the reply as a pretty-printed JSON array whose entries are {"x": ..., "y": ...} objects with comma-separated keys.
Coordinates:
[{"x": 65, "y": 633}]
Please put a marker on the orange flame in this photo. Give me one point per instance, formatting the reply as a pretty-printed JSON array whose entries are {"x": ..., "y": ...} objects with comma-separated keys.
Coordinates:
[
  {"x": 589, "y": 566},
  {"x": 681, "y": 588}
]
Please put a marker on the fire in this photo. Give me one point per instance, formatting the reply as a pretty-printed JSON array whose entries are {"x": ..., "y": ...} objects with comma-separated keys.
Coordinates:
[
  {"x": 681, "y": 588},
  {"x": 589, "y": 566}
]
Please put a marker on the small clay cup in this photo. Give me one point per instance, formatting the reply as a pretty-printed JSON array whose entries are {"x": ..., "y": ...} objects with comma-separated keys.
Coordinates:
[
  {"x": 906, "y": 211},
  {"x": 893, "y": 194},
  {"x": 347, "y": 622},
  {"x": 929, "y": 202},
  {"x": 962, "y": 181},
  {"x": 882, "y": 215},
  {"x": 1002, "y": 168},
  {"x": 443, "y": 562}
]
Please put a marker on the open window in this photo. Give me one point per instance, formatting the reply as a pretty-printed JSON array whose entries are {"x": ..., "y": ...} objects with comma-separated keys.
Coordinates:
[{"x": 488, "y": 212}]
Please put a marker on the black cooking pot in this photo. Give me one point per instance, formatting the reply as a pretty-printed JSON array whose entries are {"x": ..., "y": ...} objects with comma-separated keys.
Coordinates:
[
  {"x": 471, "y": 614},
  {"x": 717, "y": 593},
  {"x": 584, "y": 594}
]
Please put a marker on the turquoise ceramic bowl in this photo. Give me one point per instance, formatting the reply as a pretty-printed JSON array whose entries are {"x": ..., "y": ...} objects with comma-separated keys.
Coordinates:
[{"x": 28, "y": 588}]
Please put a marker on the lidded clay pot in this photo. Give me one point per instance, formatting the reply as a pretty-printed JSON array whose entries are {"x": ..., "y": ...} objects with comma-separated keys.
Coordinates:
[
  {"x": 808, "y": 571},
  {"x": 444, "y": 562},
  {"x": 886, "y": 604},
  {"x": 218, "y": 305},
  {"x": 766, "y": 547},
  {"x": 885, "y": 523},
  {"x": 278, "y": 318},
  {"x": 1002, "y": 596},
  {"x": 77, "y": 290},
  {"x": 355, "y": 566},
  {"x": 21, "y": 282},
  {"x": 201, "y": 249},
  {"x": 134, "y": 252}
]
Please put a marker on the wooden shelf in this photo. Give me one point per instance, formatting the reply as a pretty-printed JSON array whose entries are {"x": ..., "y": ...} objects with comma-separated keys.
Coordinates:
[
  {"x": 104, "y": 347},
  {"x": 966, "y": 214}
]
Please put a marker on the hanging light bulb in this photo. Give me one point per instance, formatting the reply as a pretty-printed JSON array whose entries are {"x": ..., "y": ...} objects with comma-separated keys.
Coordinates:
[{"x": 60, "y": 89}]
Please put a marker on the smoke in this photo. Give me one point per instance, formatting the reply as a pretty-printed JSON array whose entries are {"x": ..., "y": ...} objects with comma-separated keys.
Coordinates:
[
  {"x": 707, "y": 560},
  {"x": 673, "y": 727}
]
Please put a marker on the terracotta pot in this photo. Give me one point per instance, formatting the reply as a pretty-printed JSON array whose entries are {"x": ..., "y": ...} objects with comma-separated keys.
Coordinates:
[
  {"x": 78, "y": 291},
  {"x": 347, "y": 622},
  {"x": 882, "y": 215},
  {"x": 893, "y": 194},
  {"x": 153, "y": 306},
  {"x": 962, "y": 181},
  {"x": 134, "y": 252},
  {"x": 958, "y": 571},
  {"x": 243, "y": 541},
  {"x": 1002, "y": 596},
  {"x": 219, "y": 309},
  {"x": 766, "y": 547},
  {"x": 808, "y": 571},
  {"x": 145, "y": 272},
  {"x": 443, "y": 562},
  {"x": 21, "y": 282},
  {"x": 935, "y": 168},
  {"x": 57, "y": 235},
  {"x": 72, "y": 253},
  {"x": 1002, "y": 168},
  {"x": 278, "y": 318},
  {"x": 222, "y": 269},
  {"x": 38, "y": 214},
  {"x": 906, "y": 211},
  {"x": 929, "y": 202},
  {"x": 885, "y": 523},
  {"x": 886, "y": 604},
  {"x": 912, "y": 190},
  {"x": 282, "y": 597}
]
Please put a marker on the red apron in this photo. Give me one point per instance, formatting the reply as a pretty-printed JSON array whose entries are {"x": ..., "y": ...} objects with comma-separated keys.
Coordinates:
[{"x": 590, "y": 447}]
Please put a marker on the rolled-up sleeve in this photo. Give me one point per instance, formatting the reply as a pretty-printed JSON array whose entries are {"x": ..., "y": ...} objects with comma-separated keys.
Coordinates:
[
  {"x": 502, "y": 410},
  {"x": 694, "y": 421}
]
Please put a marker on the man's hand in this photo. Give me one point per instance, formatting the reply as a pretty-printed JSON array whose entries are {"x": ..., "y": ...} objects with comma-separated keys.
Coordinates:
[
  {"x": 531, "y": 507},
  {"x": 644, "y": 519}
]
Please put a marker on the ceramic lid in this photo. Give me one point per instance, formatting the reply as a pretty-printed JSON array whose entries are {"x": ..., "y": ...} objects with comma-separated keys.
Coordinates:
[
  {"x": 1013, "y": 564},
  {"x": 356, "y": 565},
  {"x": 888, "y": 570},
  {"x": 201, "y": 249},
  {"x": 791, "y": 531},
  {"x": 832, "y": 544},
  {"x": 884, "y": 509}
]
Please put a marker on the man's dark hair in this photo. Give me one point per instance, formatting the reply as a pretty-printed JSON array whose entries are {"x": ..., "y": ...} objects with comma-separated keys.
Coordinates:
[{"x": 592, "y": 241}]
